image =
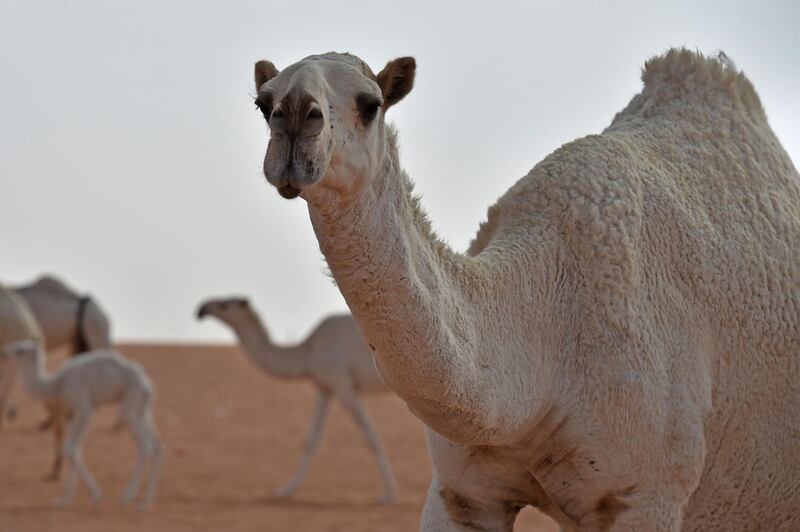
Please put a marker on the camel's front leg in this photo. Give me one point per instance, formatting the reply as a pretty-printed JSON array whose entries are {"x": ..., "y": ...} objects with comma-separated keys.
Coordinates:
[
  {"x": 73, "y": 453},
  {"x": 312, "y": 441},
  {"x": 58, "y": 441},
  {"x": 446, "y": 510},
  {"x": 6, "y": 382}
]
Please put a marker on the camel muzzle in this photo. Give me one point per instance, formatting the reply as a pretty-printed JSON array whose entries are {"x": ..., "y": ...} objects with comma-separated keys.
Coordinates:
[{"x": 288, "y": 191}]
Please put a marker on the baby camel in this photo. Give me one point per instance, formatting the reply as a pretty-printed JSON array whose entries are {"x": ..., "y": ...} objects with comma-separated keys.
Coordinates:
[
  {"x": 334, "y": 357},
  {"x": 99, "y": 377},
  {"x": 70, "y": 322}
]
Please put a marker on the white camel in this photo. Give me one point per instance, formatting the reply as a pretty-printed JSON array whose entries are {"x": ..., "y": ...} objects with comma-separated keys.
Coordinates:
[
  {"x": 71, "y": 323},
  {"x": 96, "y": 378},
  {"x": 333, "y": 357},
  {"x": 16, "y": 323},
  {"x": 620, "y": 345}
]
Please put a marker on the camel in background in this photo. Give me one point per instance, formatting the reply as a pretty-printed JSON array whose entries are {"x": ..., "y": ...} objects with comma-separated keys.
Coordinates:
[{"x": 334, "y": 358}]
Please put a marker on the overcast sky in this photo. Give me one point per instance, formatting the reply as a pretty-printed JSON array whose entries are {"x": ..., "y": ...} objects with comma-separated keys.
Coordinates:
[{"x": 130, "y": 158}]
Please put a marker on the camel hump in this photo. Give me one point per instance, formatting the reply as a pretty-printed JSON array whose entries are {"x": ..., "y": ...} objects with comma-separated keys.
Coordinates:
[{"x": 51, "y": 285}]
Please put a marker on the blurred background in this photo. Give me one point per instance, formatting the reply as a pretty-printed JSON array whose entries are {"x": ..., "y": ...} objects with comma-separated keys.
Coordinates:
[{"x": 131, "y": 149}]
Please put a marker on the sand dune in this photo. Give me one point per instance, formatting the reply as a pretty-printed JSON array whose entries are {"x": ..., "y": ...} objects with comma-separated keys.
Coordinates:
[{"x": 233, "y": 435}]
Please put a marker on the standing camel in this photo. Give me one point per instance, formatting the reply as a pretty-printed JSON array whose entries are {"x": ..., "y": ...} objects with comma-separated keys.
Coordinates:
[
  {"x": 100, "y": 377},
  {"x": 334, "y": 358},
  {"x": 620, "y": 345},
  {"x": 16, "y": 323},
  {"x": 70, "y": 323}
]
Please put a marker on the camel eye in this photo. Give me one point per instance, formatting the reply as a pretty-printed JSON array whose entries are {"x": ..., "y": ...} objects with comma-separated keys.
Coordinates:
[
  {"x": 314, "y": 114},
  {"x": 368, "y": 106},
  {"x": 264, "y": 104}
]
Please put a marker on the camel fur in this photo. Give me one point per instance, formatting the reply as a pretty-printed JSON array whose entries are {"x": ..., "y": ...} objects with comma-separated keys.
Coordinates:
[
  {"x": 333, "y": 357},
  {"x": 620, "y": 344}
]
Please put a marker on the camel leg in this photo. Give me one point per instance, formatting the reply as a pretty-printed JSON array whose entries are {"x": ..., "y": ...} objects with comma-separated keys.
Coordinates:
[
  {"x": 135, "y": 414},
  {"x": 155, "y": 456},
  {"x": 142, "y": 443},
  {"x": 353, "y": 404},
  {"x": 312, "y": 440},
  {"x": 74, "y": 455},
  {"x": 58, "y": 441},
  {"x": 7, "y": 374},
  {"x": 447, "y": 511},
  {"x": 6, "y": 381}
]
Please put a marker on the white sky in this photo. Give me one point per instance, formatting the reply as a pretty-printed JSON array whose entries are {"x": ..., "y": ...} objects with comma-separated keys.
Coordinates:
[{"x": 131, "y": 151}]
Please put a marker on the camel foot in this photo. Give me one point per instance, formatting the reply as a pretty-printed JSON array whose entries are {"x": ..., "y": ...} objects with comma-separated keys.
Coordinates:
[
  {"x": 389, "y": 499},
  {"x": 284, "y": 492},
  {"x": 60, "y": 503}
]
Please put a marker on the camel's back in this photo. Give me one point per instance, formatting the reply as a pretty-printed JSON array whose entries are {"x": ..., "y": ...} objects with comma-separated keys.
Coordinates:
[
  {"x": 56, "y": 307},
  {"x": 111, "y": 376},
  {"x": 338, "y": 336}
]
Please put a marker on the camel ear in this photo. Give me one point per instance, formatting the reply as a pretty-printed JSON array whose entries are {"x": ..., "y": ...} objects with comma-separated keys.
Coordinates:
[
  {"x": 396, "y": 80},
  {"x": 265, "y": 71}
]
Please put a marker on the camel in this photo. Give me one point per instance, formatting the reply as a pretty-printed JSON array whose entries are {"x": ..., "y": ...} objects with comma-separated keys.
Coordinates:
[
  {"x": 96, "y": 378},
  {"x": 16, "y": 323},
  {"x": 619, "y": 344},
  {"x": 333, "y": 357},
  {"x": 70, "y": 323}
]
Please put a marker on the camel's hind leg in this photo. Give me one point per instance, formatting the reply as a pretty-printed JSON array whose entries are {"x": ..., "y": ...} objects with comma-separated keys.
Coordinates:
[
  {"x": 135, "y": 413},
  {"x": 74, "y": 455},
  {"x": 58, "y": 417},
  {"x": 312, "y": 440},
  {"x": 353, "y": 404}
]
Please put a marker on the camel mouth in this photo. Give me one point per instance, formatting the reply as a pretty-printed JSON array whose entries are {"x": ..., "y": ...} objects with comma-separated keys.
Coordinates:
[
  {"x": 288, "y": 191},
  {"x": 202, "y": 312}
]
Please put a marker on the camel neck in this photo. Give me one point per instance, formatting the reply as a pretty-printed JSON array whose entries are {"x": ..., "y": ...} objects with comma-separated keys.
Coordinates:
[
  {"x": 410, "y": 294},
  {"x": 284, "y": 362},
  {"x": 37, "y": 382}
]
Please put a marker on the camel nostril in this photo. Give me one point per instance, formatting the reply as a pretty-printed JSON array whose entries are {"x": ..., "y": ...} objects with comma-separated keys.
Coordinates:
[{"x": 314, "y": 113}]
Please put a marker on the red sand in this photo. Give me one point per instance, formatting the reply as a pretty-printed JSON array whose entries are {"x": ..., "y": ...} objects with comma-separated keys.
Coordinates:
[{"x": 232, "y": 436}]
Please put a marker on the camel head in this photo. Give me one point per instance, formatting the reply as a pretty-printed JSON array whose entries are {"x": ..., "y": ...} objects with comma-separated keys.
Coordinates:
[
  {"x": 228, "y": 310},
  {"x": 326, "y": 120}
]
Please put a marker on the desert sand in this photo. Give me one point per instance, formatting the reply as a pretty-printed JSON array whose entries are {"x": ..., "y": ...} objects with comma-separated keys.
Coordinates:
[{"x": 233, "y": 435}]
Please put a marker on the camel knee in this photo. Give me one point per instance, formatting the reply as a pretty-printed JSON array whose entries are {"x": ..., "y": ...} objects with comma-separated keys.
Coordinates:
[
  {"x": 156, "y": 449},
  {"x": 448, "y": 510}
]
